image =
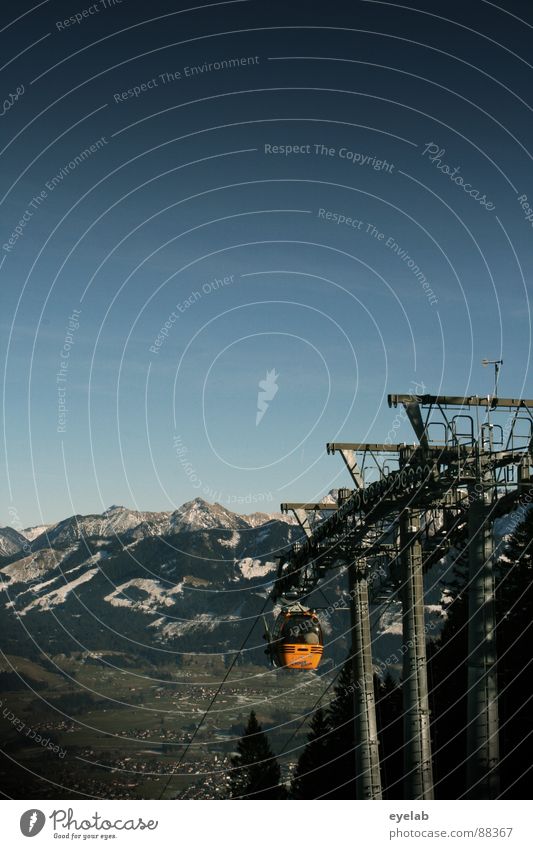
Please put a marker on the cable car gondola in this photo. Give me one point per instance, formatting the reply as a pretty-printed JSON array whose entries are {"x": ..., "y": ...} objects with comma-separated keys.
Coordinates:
[{"x": 296, "y": 641}]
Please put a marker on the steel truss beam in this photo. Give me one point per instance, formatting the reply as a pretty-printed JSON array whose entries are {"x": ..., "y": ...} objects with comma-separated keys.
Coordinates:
[
  {"x": 308, "y": 505},
  {"x": 331, "y": 447},
  {"x": 490, "y": 402}
]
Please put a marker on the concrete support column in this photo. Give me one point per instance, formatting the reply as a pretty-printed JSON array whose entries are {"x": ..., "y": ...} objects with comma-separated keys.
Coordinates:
[
  {"x": 368, "y": 778},
  {"x": 417, "y": 739},
  {"x": 482, "y": 700}
]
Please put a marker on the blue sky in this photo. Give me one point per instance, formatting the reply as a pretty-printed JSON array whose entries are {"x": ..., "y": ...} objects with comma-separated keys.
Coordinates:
[{"x": 185, "y": 196}]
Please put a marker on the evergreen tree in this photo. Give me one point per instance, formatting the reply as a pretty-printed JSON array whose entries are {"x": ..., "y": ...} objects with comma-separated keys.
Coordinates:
[
  {"x": 342, "y": 743},
  {"x": 313, "y": 772},
  {"x": 256, "y": 773},
  {"x": 389, "y": 717},
  {"x": 326, "y": 768},
  {"x": 448, "y": 685}
]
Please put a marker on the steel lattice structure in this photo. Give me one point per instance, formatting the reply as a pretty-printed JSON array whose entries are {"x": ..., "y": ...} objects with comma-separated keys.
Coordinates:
[{"x": 410, "y": 505}]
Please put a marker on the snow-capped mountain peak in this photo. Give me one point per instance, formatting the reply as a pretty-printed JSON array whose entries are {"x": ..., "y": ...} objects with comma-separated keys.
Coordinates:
[
  {"x": 198, "y": 515},
  {"x": 126, "y": 525},
  {"x": 34, "y": 532}
]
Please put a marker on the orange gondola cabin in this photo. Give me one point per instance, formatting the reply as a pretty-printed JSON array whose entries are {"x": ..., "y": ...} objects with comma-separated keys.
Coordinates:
[{"x": 296, "y": 641}]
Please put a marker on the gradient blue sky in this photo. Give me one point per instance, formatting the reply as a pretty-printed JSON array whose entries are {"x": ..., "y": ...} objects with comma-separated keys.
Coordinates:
[{"x": 182, "y": 193}]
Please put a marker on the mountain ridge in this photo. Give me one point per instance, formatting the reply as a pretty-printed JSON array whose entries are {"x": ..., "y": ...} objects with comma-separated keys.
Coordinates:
[
  {"x": 115, "y": 520},
  {"x": 186, "y": 580},
  {"x": 149, "y": 583}
]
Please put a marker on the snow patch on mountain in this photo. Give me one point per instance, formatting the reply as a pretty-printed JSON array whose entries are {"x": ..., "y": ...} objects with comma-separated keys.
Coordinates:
[
  {"x": 255, "y": 520},
  {"x": 251, "y": 568},
  {"x": 58, "y": 596},
  {"x": 156, "y": 595},
  {"x": 232, "y": 542},
  {"x": 11, "y": 542},
  {"x": 203, "y": 622},
  {"x": 504, "y": 526},
  {"x": 434, "y": 610},
  {"x": 34, "y": 566},
  {"x": 390, "y": 621}
]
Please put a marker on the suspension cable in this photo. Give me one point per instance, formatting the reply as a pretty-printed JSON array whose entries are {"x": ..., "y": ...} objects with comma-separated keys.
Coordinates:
[{"x": 211, "y": 703}]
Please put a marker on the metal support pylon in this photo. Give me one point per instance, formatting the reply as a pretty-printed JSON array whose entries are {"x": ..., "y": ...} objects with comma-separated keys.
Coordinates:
[
  {"x": 417, "y": 740},
  {"x": 368, "y": 777},
  {"x": 435, "y": 476},
  {"x": 482, "y": 701}
]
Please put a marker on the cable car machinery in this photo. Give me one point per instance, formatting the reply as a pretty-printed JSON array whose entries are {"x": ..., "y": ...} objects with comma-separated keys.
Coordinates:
[{"x": 424, "y": 500}]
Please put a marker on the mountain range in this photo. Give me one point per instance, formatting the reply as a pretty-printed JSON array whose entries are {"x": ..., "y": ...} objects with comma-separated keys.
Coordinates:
[
  {"x": 142, "y": 583},
  {"x": 160, "y": 585}
]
